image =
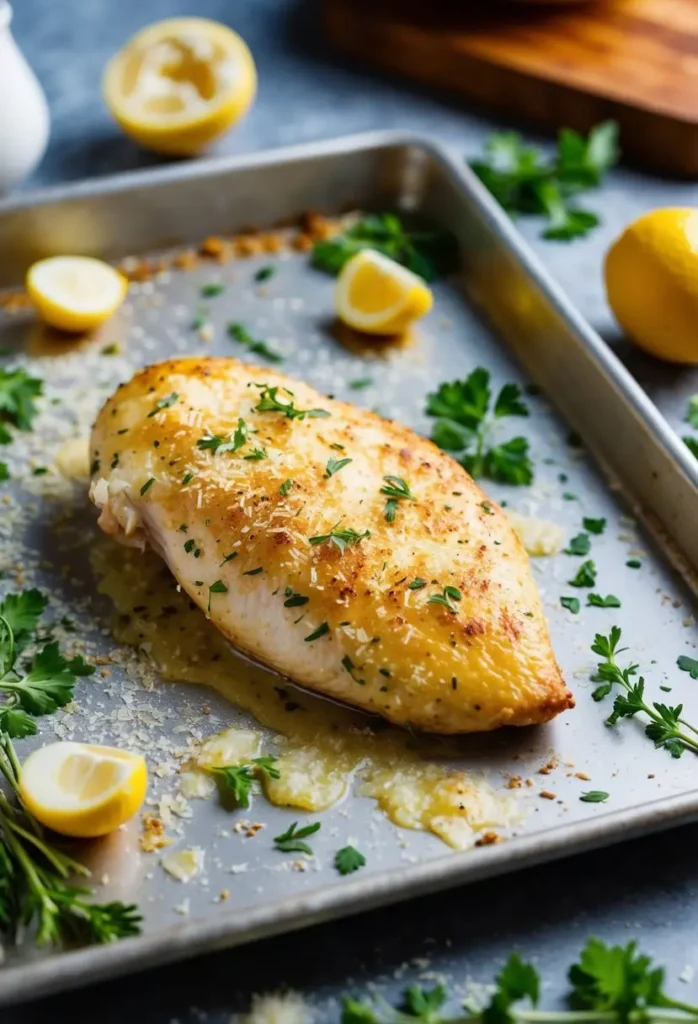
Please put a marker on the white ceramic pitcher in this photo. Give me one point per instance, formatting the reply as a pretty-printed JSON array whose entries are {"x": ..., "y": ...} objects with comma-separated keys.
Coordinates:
[{"x": 24, "y": 116}]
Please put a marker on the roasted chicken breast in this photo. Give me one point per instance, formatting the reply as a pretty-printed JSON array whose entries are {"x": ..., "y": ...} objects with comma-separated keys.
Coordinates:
[{"x": 340, "y": 549}]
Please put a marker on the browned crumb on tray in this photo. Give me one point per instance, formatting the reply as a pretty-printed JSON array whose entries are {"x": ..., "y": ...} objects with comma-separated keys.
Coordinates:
[
  {"x": 548, "y": 767},
  {"x": 153, "y": 837},
  {"x": 488, "y": 839},
  {"x": 547, "y": 795}
]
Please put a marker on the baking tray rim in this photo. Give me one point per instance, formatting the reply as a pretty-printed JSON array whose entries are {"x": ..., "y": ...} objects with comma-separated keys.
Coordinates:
[{"x": 38, "y": 978}]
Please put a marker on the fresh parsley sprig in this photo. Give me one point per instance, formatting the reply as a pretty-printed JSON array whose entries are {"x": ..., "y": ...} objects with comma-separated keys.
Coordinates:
[
  {"x": 342, "y": 539},
  {"x": 238, "y": 778},
  {"x": 524, "y": 182},
  {"x": 396, "y": 490},
  {"x": 18, "y": 389},
  {"x": 292, "y": 840},
  {"x": 608, "y": 985},
  {"x": 429, "y": 253},
  {"x": 666, "y": 728},
  {"x": 465, "y": 420},
  {"x": 34, "y": 879},
  {"x": 269, "y": 401},
  {"x": 240, "y": 333},
  {"x": 49, "y": 681}
]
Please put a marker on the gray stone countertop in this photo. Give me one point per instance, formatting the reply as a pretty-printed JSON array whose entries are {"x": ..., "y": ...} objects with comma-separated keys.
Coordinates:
[{"x": 645, "y": 890}]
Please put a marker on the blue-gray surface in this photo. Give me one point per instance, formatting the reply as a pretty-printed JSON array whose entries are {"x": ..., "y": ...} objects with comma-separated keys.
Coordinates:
[{"x": 646, "y": 890}]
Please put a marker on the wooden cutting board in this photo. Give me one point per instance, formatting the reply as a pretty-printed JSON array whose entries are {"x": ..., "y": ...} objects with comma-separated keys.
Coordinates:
[{"x": 567, "y": 64}]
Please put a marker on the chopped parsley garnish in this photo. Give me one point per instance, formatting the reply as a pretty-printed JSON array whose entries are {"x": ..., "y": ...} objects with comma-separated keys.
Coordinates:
[
  {"x": 209, "y": 291},
  {"x": 39, "y": 471},
  {"x": 269, "y": 401},
  {"x": 579, "y": 545},
  {"x": 417, "y": 584},
  {"x": 595, "y": 526},
  {"x": 348, "y": 859},
  {"x": 360, "y": 383},
  {"x": 164, "y": 403},
  {"x": 572, "y": 604},
  {"x": 189, "y": 545},
  {"x": 334, "y": 465},
  {"x": 218, "y": 587},
  {"x": 485, "y": 506},
  {"x": 340, "y": 538},
  {"x": 446, "y": 598},
  {"x": 238, "y": 779},
  {"x": 594, "y": 796},
  {"x": 395, "y": 490},
  {"x": 524, "y": 182},
  {"x": 256, "y": 454},
  {"x": 322, "y": 630},
  {"x": 689, "y": 665},
  {"x": 147, "y": 485},
  {"x": 465, "y": 420},
  {"x": 17, "y": 393},
  {"x": 634, "y": 563},
  {"x": 254, "y": 572},
  {"x": 4, "y": 472},
  {"x": 586, "y": 575},
  {"x": 187, "y": 479},
  {"x": 597, "y": 601},
  {"x": 230, "y": 557},
  {"x": 285, "y": 488},
  {"x": 260, "y": 348},
  {"x": 667, "y": 728},
  {"x": 218, "y": 445},
  {"x": 264, "y": 273},
  {"x": 291, "y": 841},
  {"x": 568, "y": 496},
  {"x": 424, "y": 252},
  {"x": 294, "y": 600}
]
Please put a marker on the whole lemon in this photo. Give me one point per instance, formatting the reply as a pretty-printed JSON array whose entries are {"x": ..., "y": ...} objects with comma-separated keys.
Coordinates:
[{"x": 651, "y": 275}]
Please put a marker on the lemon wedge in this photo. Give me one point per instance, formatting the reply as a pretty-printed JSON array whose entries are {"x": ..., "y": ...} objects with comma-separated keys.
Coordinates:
[
  {"x": 179, "y": 84},
  {"x": 75, "y": 293},
  {"x": 378, "y": 296},
  {"x": 82, "y": 790}
]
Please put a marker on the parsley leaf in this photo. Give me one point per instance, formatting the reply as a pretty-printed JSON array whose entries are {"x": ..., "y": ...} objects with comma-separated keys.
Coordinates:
[
  {"x": 285, "y": 488},
  {"x": 322, "y": 630},
  {"x": 348, "y": 859},
  {"x": 22, "y": 612},
  {"x": 48, "y": 685},
  {"x": 340, "y": 538},
  {"x": 594, "y": 796},
  {"x": 616, "y": 979},
  {"x": 294, "y": 600},
  {"x": 691, "y": 444},
  {"x": 595, "y": 526},
  {"x": 238, "y": 779},
  {"x": 426, "y": 253},
  {"x": 465, "y": 422},
  {"x": 586, "y": 575},
  {"x": 517, "y": 980},
  {"x": 163, "y": 403},
  {"x": 264, "y": 273},
  {"x": 687, "y": 664},
  {"x": 572, "y": 604},
  {"x": 291, "y": 841},
  {"x": 424, "y": 1003},
  {"x": 334, "y": 465},
  {"x": 17, "y": 393},
  {"x": 597, "y": 601},
  {"x": 260, "y": 348},
  {"x": 446, "y": 598},
  {"x": 579, "y": 545},
  {"x": 218, "y": 444}
]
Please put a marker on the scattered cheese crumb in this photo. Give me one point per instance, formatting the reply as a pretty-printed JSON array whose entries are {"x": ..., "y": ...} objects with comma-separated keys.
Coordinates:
[
  {"x": 538, "y": 536},
  {"x": 184, "y": 864}
]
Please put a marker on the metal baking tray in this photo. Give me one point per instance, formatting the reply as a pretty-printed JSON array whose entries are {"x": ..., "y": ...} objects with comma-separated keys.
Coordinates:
[{"x": 501, "y": 311}]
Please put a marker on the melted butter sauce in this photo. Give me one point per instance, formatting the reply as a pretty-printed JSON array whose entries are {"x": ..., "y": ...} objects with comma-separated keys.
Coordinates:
[{"x": 322, "y": 746}]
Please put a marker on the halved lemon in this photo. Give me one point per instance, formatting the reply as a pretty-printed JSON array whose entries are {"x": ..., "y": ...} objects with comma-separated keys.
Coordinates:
[
  {"x": 82, "y": 790},
  {"x": 75, "y": 293},
  {"x": 378, "y": 296},
  {"x": 179, "y": 84}
]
